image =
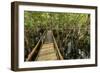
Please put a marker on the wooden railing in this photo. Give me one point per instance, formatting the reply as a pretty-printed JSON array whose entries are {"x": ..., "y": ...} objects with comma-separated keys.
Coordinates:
[
  {"x": 57, "y": 49},
  {"x": 36, "y": 49}
]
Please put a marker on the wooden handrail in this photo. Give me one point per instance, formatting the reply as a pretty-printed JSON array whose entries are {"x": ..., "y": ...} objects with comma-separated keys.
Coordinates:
[
  {"x": 34, "y": 49},
  {"x": 57, "y": 49}
]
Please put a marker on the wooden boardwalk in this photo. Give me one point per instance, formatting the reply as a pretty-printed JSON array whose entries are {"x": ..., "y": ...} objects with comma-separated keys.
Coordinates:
[{"x": 48, "y": 50}]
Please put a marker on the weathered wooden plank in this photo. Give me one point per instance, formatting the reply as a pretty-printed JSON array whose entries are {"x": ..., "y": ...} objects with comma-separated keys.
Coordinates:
[{"x": 47, "y": 52}]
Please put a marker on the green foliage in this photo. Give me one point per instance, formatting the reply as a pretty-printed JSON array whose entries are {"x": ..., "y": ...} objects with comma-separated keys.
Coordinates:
[{"x": 65, "y": 26}]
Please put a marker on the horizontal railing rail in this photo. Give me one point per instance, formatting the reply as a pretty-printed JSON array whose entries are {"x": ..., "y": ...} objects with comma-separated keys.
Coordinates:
[
  {"x": 35, "y": 48},
  {"x": 57, "y": 49}
]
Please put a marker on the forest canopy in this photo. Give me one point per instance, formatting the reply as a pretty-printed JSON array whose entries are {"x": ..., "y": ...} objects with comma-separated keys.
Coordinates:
[{"x": 55, "y": 20}]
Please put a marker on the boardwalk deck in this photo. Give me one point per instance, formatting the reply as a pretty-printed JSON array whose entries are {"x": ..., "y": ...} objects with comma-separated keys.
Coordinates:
[{"x": 47, "y": 52}]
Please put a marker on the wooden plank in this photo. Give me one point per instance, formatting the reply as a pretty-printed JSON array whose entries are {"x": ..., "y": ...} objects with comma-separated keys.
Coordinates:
[{"x": 47, "y": 53}]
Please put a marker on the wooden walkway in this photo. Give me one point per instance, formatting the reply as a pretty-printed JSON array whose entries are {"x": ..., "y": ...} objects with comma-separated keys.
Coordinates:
[{"x": 48, "y": 50}]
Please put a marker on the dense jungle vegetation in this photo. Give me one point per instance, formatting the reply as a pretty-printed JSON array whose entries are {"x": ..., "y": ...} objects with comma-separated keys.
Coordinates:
[{"x": 71, "y": 31}]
